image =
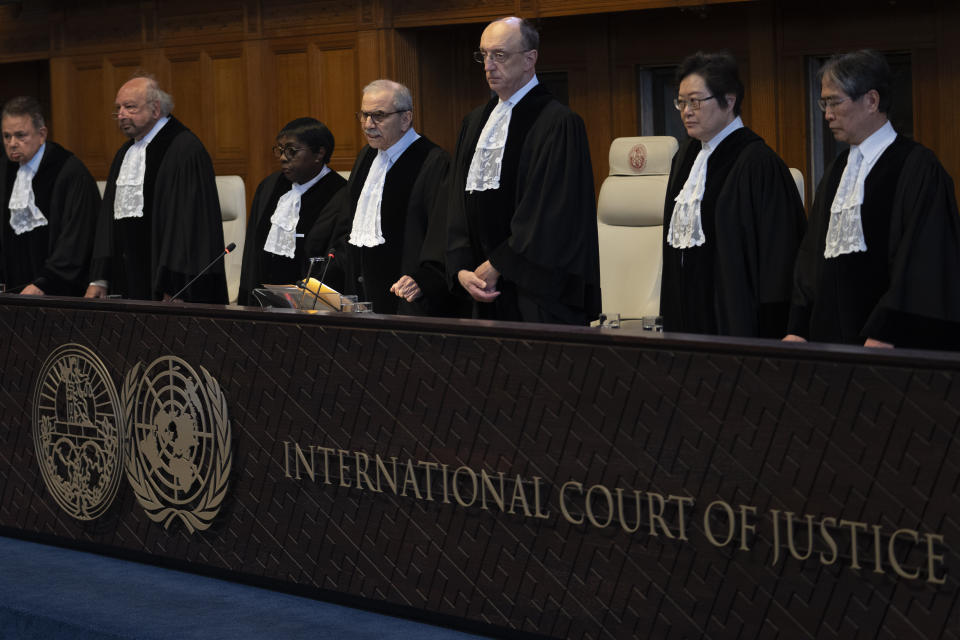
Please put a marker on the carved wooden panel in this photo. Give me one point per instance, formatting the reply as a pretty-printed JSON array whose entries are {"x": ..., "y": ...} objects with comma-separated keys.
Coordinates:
[
  {"x": 338, "y": 100},
  {"x": 297, "y": 17},
  {"x": 24, "y": 30},
  {"x": 199, "y": 20}
]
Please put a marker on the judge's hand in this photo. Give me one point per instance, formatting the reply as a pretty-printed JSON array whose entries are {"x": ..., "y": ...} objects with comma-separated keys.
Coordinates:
[
  {"x": 31, "y": 290},
  {"x": 406, "y": 288},
  {"x": 95, "y": 291},
  {"x": 878, "y": 344},
  {"x": 489, "y": 274},
  {"x": 791, "y": 337},
  {"x": 476, "y": 286}
]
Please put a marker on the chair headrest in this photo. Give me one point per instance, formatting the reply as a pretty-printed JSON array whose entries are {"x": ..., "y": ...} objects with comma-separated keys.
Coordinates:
[{"x": 642, "y": 155}]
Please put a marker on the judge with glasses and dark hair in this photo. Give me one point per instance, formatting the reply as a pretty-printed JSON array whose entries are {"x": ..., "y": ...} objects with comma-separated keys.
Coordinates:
[
  {"x": 733, "y": 217},
  {"x": 880, "y": 262},
  {"x": 287, "y": 205},
  {"x": 387, "y": 243}
]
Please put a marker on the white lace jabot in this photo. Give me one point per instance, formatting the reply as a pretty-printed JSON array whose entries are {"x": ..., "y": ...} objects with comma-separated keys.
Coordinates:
[
  {"x": 128, "y": 200},
  {"x": 282, "y": 237},
  {"x": 24, "y": 213}
]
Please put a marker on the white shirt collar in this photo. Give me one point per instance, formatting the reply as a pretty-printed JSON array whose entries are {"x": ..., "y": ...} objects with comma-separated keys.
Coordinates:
[
  {"x": 303, "y": 188},
  {"x": 145, "y": 140},
  {"x": 394, "y": 151},
  {"x": 715, "y": 141},
  {"x": 34, "y": 163},
  {"x": 522, "y": 91},
  {"x": 876, "y": 143}
]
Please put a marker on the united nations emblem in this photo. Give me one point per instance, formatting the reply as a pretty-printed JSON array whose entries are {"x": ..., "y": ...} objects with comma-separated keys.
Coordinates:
[
  {"x": 179, "y": 445},
  {"x": 77, "y": 431}
]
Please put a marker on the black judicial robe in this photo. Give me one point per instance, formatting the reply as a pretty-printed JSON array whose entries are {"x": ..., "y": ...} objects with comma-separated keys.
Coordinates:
[
  {"x": 180, "y": 232},
  {"x": 407, "y": 210},
  {"x": 262, "y": 267},
  {"x": 905, "y": 288},
  {"x": 539, "y": 229},
  {"x": 739, "y": 281},
  {"x": 54, "y": 257}
]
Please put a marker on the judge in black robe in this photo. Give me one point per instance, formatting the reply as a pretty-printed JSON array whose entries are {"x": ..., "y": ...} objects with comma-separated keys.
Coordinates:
[
  {"x": 538, "y": 230},
  {"x": 739, "y": 281},
  {"x": 409, "y": 194},
  {"x": 896, "y": 285},
  {"x": 312, "y": 144},
  {"x": 154, "y": 256},
  {"x": 904, "y": 288},
  {"x": 54, "y": 257},
  {"x": 407, "y": 212}
]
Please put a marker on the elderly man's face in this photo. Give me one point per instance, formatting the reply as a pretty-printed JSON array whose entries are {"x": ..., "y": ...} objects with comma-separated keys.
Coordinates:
[
  {"x": 21, "y": 140},
  {"x": 382, "y": 127},
  {"x": 135, "y": 115},
  {"x": 507, "y": 77},
  {"x": 850, "y": 121},
  {"x": 710, "y": 119}
]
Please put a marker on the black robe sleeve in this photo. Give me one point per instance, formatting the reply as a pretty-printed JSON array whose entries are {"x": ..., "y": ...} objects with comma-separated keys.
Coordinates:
[{"x": 250, "y": 277}]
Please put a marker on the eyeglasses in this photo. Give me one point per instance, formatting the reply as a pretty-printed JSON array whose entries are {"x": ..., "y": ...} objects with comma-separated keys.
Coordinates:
[
  {"x": 497, "y": 56},
  {"x": 830, "y": 103},
  {"x": 289, "y": 151},
  {"x": 693, "y": 103},
  {"x": 376, "y": 116},
  {"x": 131, "y": 109}
]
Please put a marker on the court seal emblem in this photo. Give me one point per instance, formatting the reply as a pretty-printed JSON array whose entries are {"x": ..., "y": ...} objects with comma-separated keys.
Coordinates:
[
  {"x": 179, "y": 442},
  {"x": 78, "y": 433},
  {"x": 638, "y": 157}
]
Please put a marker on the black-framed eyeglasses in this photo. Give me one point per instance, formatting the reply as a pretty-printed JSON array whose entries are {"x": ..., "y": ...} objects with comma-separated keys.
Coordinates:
[
  {"x": 830, "y": 103},
  {"x": 286, "y": 151},
  {"x": 376, "y": 116},
  {"x": 693, "y": 103},
  {"x": 497, "y": 56}
]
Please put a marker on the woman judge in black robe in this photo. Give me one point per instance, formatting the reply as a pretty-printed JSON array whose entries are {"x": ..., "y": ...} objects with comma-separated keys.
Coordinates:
[{"x": 287, "y": 205}]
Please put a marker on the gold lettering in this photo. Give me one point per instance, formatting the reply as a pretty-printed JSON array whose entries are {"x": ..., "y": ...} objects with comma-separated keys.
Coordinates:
[
  {"x": 487, "y": 484},
  {"x": 429, "y": 466},
  {"x": 855, "y": 561},
  {"x": 730, "y": 523},
  {"x": 622, "y": 512},
  {"x": 793, "y": 549},
  {"x": 518, "y": 493},
  {"x": 892, "y": 554},
  {"x": 744, "y": 527},
  {"x": 362, "y": 461},
  {"x": 344, "y": 469},
  {"x": 877, "y": 560},
  {"x": 286, "y": 459},
  {"x": 300, "y": 459},
  {"x": 654, "y": 518},
  {"x": 609, "y": 499},
  {"x": 563, "y": 500},
  {"x": 931, "y": 557},
  {"x": 776, "y": 535},
  {"x": 681, "y": 501},
  {"x": 383, "y": 472},
  {"x": 326, "y": 463},
  {"x": 537, "y": 512},
  {"x": 456, "y": 486},
  {"x": 409, "y": 478},
  {"x": 446, "y": 495},
  {"x": 831, "y": 543}
]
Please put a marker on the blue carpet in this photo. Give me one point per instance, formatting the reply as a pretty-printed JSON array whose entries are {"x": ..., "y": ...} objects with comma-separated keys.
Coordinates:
[{"x": 53, "y": 593}]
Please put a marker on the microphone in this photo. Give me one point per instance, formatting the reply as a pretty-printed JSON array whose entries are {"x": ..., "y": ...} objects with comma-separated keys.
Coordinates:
[
  {"x": 230, "y": 247},
  {"x": 306, "y": 281},
  {"x": 330, "y": 256}
]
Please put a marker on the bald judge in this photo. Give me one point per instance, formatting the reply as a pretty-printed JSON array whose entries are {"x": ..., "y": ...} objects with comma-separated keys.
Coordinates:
[
  {"x": 159, "y": 224},
  {"x": 522, "y": 239}
]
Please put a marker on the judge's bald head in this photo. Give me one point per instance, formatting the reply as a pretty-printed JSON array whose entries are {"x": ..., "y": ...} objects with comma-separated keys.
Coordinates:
[{"x": 140, "y": 103}]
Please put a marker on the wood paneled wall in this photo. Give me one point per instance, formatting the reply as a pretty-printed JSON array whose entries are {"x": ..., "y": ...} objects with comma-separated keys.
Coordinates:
[{"x": 240, "y": 69}]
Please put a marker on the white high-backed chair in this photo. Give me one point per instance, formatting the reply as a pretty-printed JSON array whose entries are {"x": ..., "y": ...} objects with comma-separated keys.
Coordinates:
[
  {"x": 630, "y": 225},
  {"x": 233, "y": 212},
  {"x": 798, "y": 179}
]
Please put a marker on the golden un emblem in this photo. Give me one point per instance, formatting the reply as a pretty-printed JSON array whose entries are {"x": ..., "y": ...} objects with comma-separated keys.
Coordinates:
[
  {"x": 179, "y": 446},
  {"x": 77, "y": 431}
]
